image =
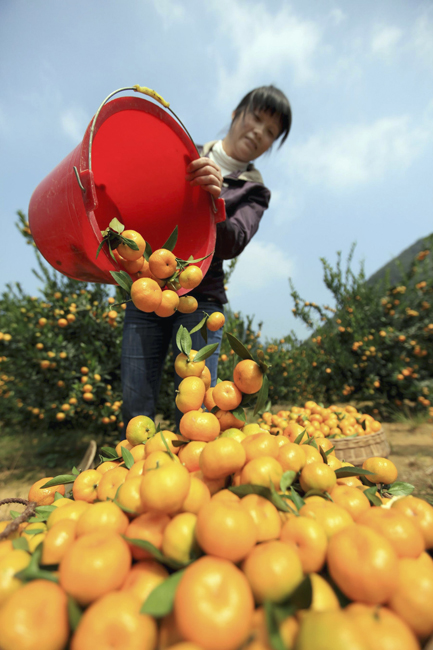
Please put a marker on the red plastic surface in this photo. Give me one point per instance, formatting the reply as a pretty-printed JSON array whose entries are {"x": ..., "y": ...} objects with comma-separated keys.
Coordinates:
[{"x": 139, "y": 157}]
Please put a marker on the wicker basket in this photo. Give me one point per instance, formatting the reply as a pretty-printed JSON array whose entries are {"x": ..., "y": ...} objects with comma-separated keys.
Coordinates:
[{"x": 357, "y": 450}]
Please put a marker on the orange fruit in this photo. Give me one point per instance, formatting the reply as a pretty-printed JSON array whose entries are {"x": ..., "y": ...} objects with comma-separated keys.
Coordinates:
[
  {"x": 190, "y": 277},
  {"x": 187, "y": 304},
  {"x": 158, "y": 459},
  {"x": 215, "y": 321},
  {"x": 110, "y": 482},
  {"x": 363, "y": 564},
  {"x": 102, "y": 516},
  {"x": 226, "y": 395},
  {"x": 72, "y": 511},
  {"x": 132, "y": 266},
  {"x": 317, "y": 476},
  {"x": 412, "y": 600},
  {"x": 384, "y": 470},
  {"x": 57, "y": 541},
  {"x": 148, "y": 527},
  {"x": 178, "y": 540},
  {"x": 260, "y": 444},
  {"x": 265, "y": 515},
  {"x": 227, "y": 420},
  {"x": 197, "y": 496},
  {"x": 165, "y": 488},
  {"x": 421, "y": 513},
  {"x": 234, "y": 433},
  {"x": 129, "y": 496},
  {"x": 146, "y": 294},
  {"x": 291, "y": 457},
  {"x": 264, "y": 470},
  {"x": 114, "y": 621},
  {"x": 332, "y": 517},
  {"x": 189, "y": 454},
  {"x": 85, "y": 486},
  {"x": 381, "y": 628},
  {"x": 208, "y": 401},
  {"x": 143, "y": 577},
  {"x": 93, "y": 565},
  {"x": 10, "y": 563},
  {"x": 311, "y": 454},
  {"x": 136, "y": 470},
  {"x": 156, "y": 442},
  {"x": 138, "y": 452},
  {"x": 247, "y": 376},
  {"x": 169, "y": 304},
  {"x": 324, "y": 597},
  {"x": 35, "y": 617},
  {"x": 128, "y": 253},
  {"x": 105, "y": 466},
  {"x": 44, "y": 496},
  {"x": 226, "y": 530},
  {"x": 190, "y": 394},
  {"x": 329, "y": 630},
  {"x": 213, "y": 484},
  {"x": 162, "y": 263},
  {"x": 398, "y": 529},
  {"x": 186, "y": 366},
  {"x": 222, "y": 457},
  {"x": 273, "y": 570},
  {"x": 195, "y": 425},
  {"x": 351, "y": 499},
  {"x": 213, "y": 605},
  {"x": 139, "y": 429},
  {"x": 206, "y": 378},
  {"x": 309, "y": 538}
]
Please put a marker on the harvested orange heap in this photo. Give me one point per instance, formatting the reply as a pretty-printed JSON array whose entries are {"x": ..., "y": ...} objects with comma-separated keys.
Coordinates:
[
  {"x": 332, "y": 421},
  {"x": 226, "y": 537}
]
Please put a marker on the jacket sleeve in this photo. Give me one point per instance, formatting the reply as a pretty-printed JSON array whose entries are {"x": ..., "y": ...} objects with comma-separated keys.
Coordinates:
[{"x": 238, "y": 229}]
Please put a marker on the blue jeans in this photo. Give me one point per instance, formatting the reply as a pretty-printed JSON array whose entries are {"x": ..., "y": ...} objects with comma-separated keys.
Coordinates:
[{"x": 146, "y": 338}]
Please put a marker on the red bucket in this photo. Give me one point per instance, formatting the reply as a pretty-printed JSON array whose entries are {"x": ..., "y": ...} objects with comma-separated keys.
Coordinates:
[{"x": 130, "y": 165}]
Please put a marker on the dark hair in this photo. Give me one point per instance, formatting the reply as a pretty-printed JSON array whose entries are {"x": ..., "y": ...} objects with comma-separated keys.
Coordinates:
[{"x": 269, "y": 99}]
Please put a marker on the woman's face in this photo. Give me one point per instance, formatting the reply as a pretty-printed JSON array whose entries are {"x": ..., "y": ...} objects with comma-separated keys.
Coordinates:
[{"x": 251, "y": 134}]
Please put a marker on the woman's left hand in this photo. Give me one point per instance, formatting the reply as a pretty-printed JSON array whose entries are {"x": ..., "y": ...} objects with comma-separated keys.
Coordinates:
[{"x": 205, "y": 173}]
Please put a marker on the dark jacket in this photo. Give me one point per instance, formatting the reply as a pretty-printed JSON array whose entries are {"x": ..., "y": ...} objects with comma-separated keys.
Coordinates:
[{"x": 246, "y": 198}]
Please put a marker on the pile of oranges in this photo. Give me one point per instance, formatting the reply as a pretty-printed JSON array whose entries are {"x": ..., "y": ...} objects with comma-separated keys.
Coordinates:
[
  {"x": 318, "y": 421},
  {"x": 157, "y": 277},
  {"x": 227, "y": 536}
]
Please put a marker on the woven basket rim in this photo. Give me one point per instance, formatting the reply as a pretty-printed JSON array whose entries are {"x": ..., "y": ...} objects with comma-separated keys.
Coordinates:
[{"x": 361, "y": 441}]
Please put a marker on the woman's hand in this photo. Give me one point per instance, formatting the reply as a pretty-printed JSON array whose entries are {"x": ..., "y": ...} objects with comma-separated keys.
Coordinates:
[{"x": 205, "y": 173}]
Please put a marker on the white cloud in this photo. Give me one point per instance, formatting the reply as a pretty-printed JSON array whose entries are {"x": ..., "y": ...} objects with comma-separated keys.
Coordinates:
[
  {"x": 285, "y": 206},
  {"x": 74, "y": 122},
  {"x": 170, "y": 11},
  {"x": 260, "y": 265},
  {"x": 359, "y": 154},
  {"x": 337, "y": 16},
  {"x": 263, "y": 44},
  {"x": 385, "y": 40},
  {"x": 422, "y": 38}
]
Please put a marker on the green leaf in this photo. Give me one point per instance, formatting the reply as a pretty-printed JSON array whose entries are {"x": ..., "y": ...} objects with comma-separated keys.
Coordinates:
[
  {"x": 342, "y": 472},
  {"x": 98, "y": 250},
  {"x": 130, "y": 243},
  {"x": 127, "y": 457},
  {"x": 147, "y": 251},
  {"x": 300, "y": 437},
  {"x": 170, "y": 453},
  {"x": 62, "y": 479},
  {"x": 185, "y": 342},
  {"x": 34, "y": 531},
  {"x": 200, "y": 325},
  {"x": 296, "y": 498},
  {"x": 329, "y": 451},
  {"x": 272, "y": 626},
  {"x": 312, "y": 443},
  {"x": 302, "y": 596},
  {"x": 324, "y": 455},
  {"x": 261, "y": 490},
  {"x": 13, "y": 514},
  {"x": 287, "y": 480},
  {"x": 262, "y": 397},
  {"x": 399, "y": 489},
  {"x": 74, "y": 471},
  {"x": 160, "y": 601},
  {"x": 179, "y": 443},
  {"x": 74, "y": 613},
  {"x": 239, "y": 413},
  {"x": 44, "y": 511},
  {"x": 20, "y": 543},
  {"x": 155, "y": 552},
  {"x": 238, "y": 347},
  {"x": 116, "y": 226},
  {"x": 315, "y": 493},
  {"x": 371, "y": 494},
  {"x": 109, "y": 452},
  {"x": 123, "y": 280},
  {"x": 205, "y": 352},
  {"x": 171, "y": 241}
]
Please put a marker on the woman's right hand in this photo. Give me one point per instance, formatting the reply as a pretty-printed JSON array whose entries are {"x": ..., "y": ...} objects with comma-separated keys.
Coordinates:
[{"x": 205, "y": 173}]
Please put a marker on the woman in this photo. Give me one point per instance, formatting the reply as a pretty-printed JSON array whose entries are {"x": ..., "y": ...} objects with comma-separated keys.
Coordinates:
[{"x": 225, "y": 170}]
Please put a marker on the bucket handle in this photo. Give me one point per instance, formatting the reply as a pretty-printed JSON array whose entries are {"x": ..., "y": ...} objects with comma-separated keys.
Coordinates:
[{"x": 145, "y": 91}]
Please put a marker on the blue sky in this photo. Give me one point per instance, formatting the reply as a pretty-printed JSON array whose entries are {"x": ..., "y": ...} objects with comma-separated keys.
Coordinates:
[{"x": 357, "y": 166}]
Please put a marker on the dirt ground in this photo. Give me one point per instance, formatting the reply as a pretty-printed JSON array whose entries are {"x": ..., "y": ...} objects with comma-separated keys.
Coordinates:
[{"x": 411, "y": 451}]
